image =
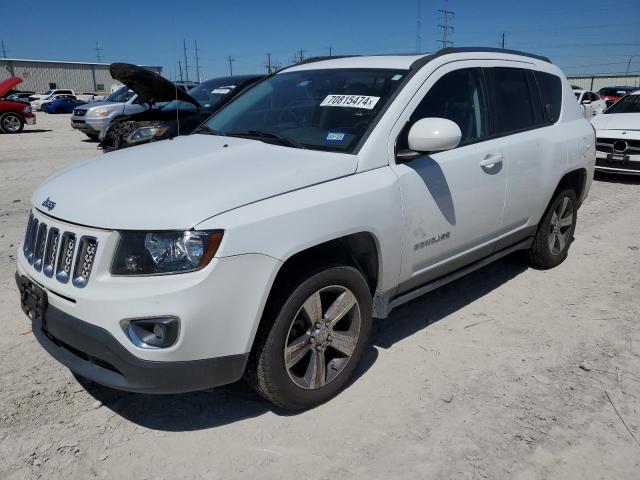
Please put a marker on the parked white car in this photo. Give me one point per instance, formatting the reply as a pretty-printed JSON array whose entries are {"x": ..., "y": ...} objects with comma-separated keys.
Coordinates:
[
  {"x": 48, "y": 96},
  {"x": 323, "y": 196},
  {"x": 586, "y": 97},
  {"x": 618, "y": 137}
]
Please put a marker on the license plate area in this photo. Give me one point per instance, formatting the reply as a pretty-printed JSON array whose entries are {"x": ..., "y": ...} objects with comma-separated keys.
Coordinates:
[
  {"x": 33, "y": 301},
  {"x": 617, "y": 158}
]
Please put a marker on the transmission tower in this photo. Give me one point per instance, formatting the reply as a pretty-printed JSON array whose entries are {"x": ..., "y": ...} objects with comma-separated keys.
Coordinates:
[{"x": 445, "y": 26}]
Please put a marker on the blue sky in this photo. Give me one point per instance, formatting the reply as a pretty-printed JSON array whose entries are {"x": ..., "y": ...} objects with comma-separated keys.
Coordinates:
[{"x": 581, "y": 36}]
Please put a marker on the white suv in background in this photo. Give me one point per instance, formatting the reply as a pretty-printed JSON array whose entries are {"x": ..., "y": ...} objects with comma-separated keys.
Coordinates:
[{"x": 327, "y": 194}]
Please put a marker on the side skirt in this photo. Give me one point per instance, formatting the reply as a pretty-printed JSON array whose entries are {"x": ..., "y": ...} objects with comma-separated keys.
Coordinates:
[{"x": 383, "y": 304}]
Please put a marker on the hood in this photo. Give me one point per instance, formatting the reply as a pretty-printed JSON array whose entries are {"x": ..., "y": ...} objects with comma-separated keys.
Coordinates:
[
  {"x": 150, "y": 87},
  {"x": 8, "y": 84},
  {"x": 176, "y": 184},
  {"x": 616, "y": 121}
]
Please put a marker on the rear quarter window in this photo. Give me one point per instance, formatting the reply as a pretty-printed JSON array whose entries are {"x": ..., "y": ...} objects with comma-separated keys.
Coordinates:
[{"x": 551, "y": 92}]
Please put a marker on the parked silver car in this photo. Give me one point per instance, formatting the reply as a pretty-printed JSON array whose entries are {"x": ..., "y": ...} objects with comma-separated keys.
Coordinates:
[{"x": 93, "y": 117}]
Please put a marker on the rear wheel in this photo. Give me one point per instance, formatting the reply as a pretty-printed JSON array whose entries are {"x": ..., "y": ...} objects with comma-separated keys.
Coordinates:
[
  {"x": 315, "y": 340},
  {"x": 555, "y": 232},
  {"x": 11, "y": 123}
]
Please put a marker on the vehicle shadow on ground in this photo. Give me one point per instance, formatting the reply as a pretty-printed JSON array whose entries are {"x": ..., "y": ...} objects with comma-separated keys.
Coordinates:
[
  {"x": 35, "y": 130},
  {"x": 237, "y": 402},
  {"x": 617, "y": 178}
]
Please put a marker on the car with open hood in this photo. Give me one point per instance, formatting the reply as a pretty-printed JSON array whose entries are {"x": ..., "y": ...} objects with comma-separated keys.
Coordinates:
[
  {"x": 176, "y": 117},
  {"x": 618, "y": 137},
  {"x": 333, "y": 191},
  {"x": 14, "y": 114}
]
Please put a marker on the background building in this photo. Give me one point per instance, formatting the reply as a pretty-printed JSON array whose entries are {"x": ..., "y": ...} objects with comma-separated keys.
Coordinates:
[
  {"x": 41, "y": 75},
  {"x": 596, "y": 82}
]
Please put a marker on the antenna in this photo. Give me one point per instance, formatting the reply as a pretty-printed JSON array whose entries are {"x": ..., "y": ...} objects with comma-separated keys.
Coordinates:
[
  {"x": 419, "y": 28},
  {"x": 186, "y": 65},
  {"x": 4, "y": 50},
  {"x": 98, "y": 52},
  {"x": 446, "y": 28},
  {"x": 231, "y": 60},
  {"x": 197, "y": 62}
]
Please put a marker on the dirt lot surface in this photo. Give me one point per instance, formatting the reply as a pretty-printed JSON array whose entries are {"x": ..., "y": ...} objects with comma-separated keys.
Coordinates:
[{"x": 510, "y": 373}]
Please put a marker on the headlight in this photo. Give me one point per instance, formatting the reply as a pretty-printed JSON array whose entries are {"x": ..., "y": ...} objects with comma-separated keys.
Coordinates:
[
  {"x": 145, "y": 134},
  {"x": 27, "y": 109},
  {"x": 149, "y": 253},
  {"x": 100, "y": 112}
]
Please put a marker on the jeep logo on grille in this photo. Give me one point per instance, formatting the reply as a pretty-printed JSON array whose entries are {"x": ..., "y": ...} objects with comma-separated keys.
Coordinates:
[{"x": 48, "y": 204}]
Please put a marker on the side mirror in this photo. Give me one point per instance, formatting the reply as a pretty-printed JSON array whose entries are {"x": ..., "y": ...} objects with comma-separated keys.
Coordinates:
[{"x": 433, "y": 135}]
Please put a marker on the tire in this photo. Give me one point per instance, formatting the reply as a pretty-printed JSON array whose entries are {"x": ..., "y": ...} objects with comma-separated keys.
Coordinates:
[
  {"x": 317, "y": 366},
  {"x": 555, "y": 232},
  {"x": 11, "y": 122}
]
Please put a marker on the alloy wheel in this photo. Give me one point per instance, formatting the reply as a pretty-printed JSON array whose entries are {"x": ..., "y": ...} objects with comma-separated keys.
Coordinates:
[
  {"x": 322, "y": 337},
  {"x": 11, "y": 123},
  {"x": 560, "y": 226}
]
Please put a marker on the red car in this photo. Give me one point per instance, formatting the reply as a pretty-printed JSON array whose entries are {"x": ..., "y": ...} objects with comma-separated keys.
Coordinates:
[
  {"x": 13, "y": 115},
  {"x": 612, "y": 94}
]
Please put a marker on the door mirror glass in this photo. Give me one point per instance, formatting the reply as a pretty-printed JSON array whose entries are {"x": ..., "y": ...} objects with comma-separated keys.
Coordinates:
[{"x": 434, "y": 135}]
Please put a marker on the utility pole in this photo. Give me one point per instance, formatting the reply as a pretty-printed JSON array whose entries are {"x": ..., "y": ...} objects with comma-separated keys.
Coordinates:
[
  {"x": 503, "y": 35},
  {"x": 268, "y": 64},
  {"x": 231, "y": 60},
  {"x": 186, "y": 65},
  {"x": 628, "y": 64},
  {"x": 180, "y": 69},
  {"x": 4, "y": 50},
  {"x": 197, "y": 62},
  {"x": 98, "y": 52},
  {"x": 330, "y": 50},
  {"x": 298, "y": 56},
  {"x": 446, "y": 28},
  {"x": 419, "y": 28}
]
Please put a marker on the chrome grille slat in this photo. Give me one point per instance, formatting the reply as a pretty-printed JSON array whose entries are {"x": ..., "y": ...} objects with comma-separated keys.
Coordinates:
[
  {"x": 84, "y": 261},
  {"x": 65, "y": 257},
  {"x": 32, "y": 239},
  {"x": 38, "y": 251},
  {"x": 50, "y": 251},
  {"x": 26, "y": 247}
]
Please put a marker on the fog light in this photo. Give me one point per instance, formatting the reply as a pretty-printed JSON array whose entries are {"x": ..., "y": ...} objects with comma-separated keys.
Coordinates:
[{"x": 154, "y": 332}]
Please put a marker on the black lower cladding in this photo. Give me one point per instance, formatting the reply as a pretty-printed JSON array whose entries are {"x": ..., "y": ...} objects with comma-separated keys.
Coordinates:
[{"x": 93, "y": 353}]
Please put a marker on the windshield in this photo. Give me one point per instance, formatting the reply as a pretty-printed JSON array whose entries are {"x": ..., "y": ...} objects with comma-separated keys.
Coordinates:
[
  {"x": 628, "y": 104},
  {"x": 48, "y": 92},
  {"x": 208, "y": 94},
  {"x": 317, "y": 109},
  {"x": 123, "y": 94}
]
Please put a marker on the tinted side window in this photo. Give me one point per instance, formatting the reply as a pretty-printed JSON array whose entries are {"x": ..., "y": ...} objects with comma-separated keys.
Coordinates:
[
  {"x": 551, "y": 90},
  {"x": 458, "y": 96},
  {"x": 513, "y": 106}
]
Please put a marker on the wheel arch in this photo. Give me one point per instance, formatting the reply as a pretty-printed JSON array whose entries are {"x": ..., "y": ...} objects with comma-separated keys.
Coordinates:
[{"x": 576, "y": 180}]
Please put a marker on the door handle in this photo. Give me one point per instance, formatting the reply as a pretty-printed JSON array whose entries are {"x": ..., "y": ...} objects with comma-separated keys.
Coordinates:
[{"x": 491, "y": 160}]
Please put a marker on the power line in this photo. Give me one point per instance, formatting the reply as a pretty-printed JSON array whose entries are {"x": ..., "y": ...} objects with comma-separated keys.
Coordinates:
[
  {"x": 195, "y": 43},
  {"x": 98, "y": 52},
  {"x": 446, "y": 28}
]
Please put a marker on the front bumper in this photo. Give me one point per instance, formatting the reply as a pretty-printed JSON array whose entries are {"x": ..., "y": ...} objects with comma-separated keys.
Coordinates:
[
  {"x": 92, "y": 352},
  {"x": 91, "y": 125},
  {"x": 30, "y": 120}
]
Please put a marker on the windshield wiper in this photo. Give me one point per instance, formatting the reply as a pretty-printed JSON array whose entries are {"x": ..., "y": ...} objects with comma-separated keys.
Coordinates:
[
  {"x": 258, "y": 134},
  {"x": 206, "y": 130}
]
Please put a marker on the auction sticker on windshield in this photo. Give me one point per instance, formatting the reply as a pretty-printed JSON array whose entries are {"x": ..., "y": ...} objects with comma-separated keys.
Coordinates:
[{"x": 352, "y": 101}]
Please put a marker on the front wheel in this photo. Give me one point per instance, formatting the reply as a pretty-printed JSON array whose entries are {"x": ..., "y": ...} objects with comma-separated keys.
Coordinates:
[
  {"x": 555, "y": 232},
  {"x": 315, "y": 341},
  {"x": 11, "y": 123}
]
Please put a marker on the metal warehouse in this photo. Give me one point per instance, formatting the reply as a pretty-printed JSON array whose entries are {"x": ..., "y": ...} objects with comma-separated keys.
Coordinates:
[
  {"x": 596, "y": 82},
  {"x": 42, "y": 75}
]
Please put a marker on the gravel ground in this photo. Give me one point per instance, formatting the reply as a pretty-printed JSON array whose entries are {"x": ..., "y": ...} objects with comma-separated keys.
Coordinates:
[{"x": 508, "y": 373}]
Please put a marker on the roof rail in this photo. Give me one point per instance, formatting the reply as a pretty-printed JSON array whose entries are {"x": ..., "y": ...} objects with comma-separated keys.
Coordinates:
[
  {"x": 321, "y": 58},
  {"x": 450, "y": 50}
]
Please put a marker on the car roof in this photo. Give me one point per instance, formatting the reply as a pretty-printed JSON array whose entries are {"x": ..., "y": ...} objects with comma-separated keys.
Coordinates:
[{"x": 401, "y": 61}]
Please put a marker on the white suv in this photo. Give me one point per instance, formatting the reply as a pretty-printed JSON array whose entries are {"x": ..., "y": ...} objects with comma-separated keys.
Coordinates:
[{"x": 329, "y": 193}]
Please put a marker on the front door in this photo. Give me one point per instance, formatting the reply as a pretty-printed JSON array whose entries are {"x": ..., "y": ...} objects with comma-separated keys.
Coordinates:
[{"x": 453, "y": 201}]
